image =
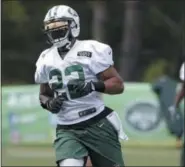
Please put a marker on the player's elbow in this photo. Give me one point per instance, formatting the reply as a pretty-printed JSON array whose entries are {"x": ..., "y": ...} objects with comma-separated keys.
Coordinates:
[
  {"x": 121, "y": 86},
  {"x": 121, "y": 90}
]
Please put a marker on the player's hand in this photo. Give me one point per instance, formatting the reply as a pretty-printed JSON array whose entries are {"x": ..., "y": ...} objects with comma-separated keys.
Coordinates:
[
  {"x": 81, "y": 87},
  {"x": 54, "y": 104}
]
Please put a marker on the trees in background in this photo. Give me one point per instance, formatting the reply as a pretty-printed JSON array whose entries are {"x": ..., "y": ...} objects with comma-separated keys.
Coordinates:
[
  {"x": 131, "y": 39},
  {"x": 99, "y": 18},
  {"x": 139, "y": 33}
]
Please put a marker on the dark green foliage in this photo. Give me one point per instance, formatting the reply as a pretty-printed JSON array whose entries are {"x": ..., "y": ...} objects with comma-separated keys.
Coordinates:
[{"x": 23, "y": 39}]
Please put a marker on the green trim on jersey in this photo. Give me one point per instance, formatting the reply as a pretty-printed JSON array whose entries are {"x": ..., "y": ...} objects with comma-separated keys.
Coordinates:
[{"x": 57, "y": 83}]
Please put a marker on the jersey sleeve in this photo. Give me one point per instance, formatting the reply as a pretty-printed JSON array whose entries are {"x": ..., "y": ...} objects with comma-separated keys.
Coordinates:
[
  {"x": 181, "y": 74},
  {"x": 101, "y": 57},
  {"x": 40, "y": 73}
]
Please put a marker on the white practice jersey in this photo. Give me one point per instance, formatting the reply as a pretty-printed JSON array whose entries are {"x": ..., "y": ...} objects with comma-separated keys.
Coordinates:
[
  {"x": 84, "y": 61},
  {"x": 181, "y": 74}
]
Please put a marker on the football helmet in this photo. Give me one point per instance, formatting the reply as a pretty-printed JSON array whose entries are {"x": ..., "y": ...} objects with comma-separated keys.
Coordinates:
[{"x": 62, "y": 26}]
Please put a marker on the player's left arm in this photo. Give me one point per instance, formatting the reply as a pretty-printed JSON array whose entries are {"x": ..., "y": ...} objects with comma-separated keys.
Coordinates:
[
  {"x": 180, "y": 95},
  {"x": 48, "y": 101},
  {"x": 111, "y": 81}
]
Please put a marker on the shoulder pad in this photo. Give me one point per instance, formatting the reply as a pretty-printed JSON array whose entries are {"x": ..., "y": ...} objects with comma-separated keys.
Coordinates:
[
  {"x": 42, "y": 57},
  {"x": 97, "y": 46}
]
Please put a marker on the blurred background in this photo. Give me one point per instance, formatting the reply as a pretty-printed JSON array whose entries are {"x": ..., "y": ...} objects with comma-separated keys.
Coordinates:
[{"x": 148, "y": 42}]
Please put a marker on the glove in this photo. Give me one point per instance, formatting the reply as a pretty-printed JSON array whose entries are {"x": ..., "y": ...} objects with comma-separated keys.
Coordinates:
[
  {"x": 54, "y": 104},
  {"x": 80, "y": 87}
]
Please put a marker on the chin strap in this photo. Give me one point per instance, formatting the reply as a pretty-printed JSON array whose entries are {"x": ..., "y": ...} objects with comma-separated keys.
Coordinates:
[
  {"x": 69, "y": 46},
  {"x": 62, "y": 50}
]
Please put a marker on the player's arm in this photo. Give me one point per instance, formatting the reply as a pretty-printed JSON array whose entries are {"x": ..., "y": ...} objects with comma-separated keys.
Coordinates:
[
  {"x": 45, "y": 94},
  {"x": 180, "y": 95},
  {"x": 181, "y": 92},
  {"x": 101, "y": 65},
  {"x": 110, "y": 81},
  {"x": 47, "y": 99}
]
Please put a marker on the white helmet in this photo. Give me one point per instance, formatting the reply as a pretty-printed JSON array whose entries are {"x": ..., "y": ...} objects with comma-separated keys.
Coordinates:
[{"x": 62, "y": 25}]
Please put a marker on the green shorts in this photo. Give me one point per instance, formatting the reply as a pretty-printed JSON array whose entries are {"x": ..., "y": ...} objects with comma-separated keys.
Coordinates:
[{"x": 98, "y": 140}]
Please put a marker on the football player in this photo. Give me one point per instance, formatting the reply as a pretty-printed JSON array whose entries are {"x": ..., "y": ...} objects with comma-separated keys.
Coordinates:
[
  {"x": 72, "y": 75},
  {"x": 180, "y": 95}
]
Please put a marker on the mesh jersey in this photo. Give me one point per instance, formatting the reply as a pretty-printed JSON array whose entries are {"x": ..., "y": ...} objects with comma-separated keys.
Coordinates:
[
  {"x": 85, "y": 59},
  {"x": 181, "y": 74}
]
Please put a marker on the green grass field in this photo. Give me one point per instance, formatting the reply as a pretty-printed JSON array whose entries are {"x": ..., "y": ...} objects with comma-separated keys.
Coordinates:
[{"x": 44, "y": 156}]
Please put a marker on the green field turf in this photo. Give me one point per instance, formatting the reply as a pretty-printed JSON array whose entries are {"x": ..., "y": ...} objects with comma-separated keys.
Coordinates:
[{"x": 44, "y": 156}]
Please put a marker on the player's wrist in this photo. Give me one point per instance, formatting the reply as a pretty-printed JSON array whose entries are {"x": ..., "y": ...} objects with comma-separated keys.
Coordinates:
[
  {"x": 48, "y": 104},
  {"x": 44, "y": 100},
  {"x": 98, "y": 86}
]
